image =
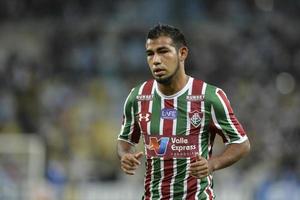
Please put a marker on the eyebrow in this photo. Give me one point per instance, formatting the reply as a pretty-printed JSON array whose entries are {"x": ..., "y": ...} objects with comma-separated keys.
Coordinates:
[{"x": 158, "y": 49}]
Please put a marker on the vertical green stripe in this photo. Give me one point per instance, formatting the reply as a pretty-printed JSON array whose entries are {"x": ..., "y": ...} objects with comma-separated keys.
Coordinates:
[
  {"x": 128, "y": 109},
  {"x": 181, "y": 164},
  {"x": 221, "y": 116},
  {"x": 155, "y": 116},
  {"x": 207, "y": 116},
  {"x": 179, "y": 178},
  {"x": 156, "y": 179},
  {"x": 181, "y": 114},
  {"x": 203, "y": 185}
]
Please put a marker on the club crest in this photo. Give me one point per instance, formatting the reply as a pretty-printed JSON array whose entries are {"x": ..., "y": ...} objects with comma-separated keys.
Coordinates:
[{"x": 195, "y": 118}]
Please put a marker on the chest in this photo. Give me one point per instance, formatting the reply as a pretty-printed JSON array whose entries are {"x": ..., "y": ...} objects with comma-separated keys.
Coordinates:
[{"x": 167, "y": 117}]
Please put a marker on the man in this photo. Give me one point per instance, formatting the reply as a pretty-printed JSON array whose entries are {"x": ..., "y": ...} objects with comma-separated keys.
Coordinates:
[{"x": 178, "y": 117}]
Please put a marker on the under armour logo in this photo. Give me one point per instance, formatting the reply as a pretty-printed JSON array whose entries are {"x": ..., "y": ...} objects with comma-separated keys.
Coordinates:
[{"x": 144, "y": 117}]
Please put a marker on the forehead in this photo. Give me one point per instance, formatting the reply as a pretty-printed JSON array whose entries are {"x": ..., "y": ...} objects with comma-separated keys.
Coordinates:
[{"x": 162, "y": 41}]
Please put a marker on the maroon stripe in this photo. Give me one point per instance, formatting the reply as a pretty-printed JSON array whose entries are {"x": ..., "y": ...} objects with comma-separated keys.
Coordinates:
[
  {"x": 233, "y": 119},
  {"x": 195, "y": 106},
  {"x": 145, "y": 109},
  {"x": 209, "y": 189},
  {"x": 209, "y": 193},
  {"x": 136, "y": 133},
  {"x": 148, "y": 179},
  {"x": 168, "y": 164},
  {"x": 168, "y": 123},
  {"x": 191, "y": 185},
  {"x": 145, "y": 104}
]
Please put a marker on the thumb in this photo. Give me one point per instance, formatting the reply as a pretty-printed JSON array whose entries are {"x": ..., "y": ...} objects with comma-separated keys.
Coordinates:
[
  {"x": 138, "y": 155},
  {"x": 198, "y": 157}
]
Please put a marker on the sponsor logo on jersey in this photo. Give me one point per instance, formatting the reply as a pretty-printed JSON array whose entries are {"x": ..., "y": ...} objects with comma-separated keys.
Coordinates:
[
  {"x": 195, "y": 97},
  {"x": 195, "y": 118},
  {"x": 144, "y": 117},
  {"x": 144, "y": 97},
  {"x": 168, "y": 113},
  {"x": 159, "y": 146},
  {"x": 172, "y": 147}
]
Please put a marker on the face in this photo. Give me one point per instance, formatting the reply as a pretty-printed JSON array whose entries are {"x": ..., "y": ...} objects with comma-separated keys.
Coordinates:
[{"x": 163, "y": 59}]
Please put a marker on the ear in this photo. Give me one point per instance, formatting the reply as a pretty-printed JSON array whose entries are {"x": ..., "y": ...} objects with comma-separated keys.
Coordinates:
[{"x": 183, "y": 53}]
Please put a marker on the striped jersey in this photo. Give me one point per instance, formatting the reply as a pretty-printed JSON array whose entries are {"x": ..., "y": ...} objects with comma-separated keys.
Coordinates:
[{"x": 174, "y": 130}]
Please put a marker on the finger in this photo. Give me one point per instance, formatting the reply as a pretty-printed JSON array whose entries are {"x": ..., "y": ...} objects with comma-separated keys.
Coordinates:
[
  {"x": 198, "y": 169},
  {"x": 130, "y": 159},
  {"x": 200, "y": 174},
  {"x": 138, "y": 155},
  {"x": 134, "y": 160},
  {"x": 198, "y": 163},
  {"x": 129, "y": 167},
  {"x": 129, "y": 172},
  {"x": 128, "y": 162}
]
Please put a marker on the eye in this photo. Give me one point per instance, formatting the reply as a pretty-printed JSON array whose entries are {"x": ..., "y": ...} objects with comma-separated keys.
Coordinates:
[
  {"x": 164, "y": 51},
  {"x": 149, "y": 53}
]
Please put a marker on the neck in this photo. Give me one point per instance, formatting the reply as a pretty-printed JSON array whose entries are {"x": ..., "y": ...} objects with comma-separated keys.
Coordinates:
[{"x": 177, "y": 83}]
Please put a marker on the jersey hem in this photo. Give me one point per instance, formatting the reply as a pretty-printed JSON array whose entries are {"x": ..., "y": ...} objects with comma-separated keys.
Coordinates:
[
  {"x": 132, "y": 143},
  {"x": 239, "y": 141}
]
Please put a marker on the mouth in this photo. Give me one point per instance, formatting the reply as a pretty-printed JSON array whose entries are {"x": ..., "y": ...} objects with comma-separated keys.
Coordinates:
[{"x": 159, "y": 72}]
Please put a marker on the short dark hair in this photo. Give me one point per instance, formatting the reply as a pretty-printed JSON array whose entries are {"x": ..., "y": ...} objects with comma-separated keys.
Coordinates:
[{"x": 166, "y": 30}]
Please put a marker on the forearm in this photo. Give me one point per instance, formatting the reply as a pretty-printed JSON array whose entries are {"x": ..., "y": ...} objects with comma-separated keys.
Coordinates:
[{"x": 231, "y": 154}]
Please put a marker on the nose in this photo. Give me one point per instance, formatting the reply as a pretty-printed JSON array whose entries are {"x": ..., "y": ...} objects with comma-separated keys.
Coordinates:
[{"x": 156, "y": 59}]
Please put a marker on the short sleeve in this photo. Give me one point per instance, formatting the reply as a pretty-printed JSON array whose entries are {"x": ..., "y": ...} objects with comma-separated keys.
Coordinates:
[
  {"x": 225, "y": 120},
  {"x": 130, "y": 131}
]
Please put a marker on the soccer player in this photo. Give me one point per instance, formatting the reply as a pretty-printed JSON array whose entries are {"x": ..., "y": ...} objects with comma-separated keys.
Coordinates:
[{"x": 178, "y": 117}]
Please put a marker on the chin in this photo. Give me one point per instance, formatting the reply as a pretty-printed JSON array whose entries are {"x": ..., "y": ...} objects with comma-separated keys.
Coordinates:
[{"x": 165, "y": 81}]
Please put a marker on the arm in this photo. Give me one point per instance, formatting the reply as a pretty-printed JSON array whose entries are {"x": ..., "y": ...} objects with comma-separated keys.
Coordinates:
[
  {"x": 128, "y": 158},
  {"x": 233, "y": 152},
  {"x": 232, "y": 132},
  {"x": 129, "y": 135}
]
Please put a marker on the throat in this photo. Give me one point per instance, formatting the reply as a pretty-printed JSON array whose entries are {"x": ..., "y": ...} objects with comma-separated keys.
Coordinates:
[{"x": 173, "y": 87}]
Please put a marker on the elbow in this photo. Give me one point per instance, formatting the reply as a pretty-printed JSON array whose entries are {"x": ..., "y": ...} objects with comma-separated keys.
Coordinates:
[{"x": 247, "y": 148}]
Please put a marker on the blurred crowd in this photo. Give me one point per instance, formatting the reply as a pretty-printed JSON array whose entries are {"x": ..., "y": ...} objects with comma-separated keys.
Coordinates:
[{"x": 66, "y": 68}]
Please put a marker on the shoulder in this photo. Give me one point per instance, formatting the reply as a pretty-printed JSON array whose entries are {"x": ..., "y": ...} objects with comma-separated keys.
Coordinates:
[
  {"x": 139, "y": 90},
  {"x": 211, "y": 92}
]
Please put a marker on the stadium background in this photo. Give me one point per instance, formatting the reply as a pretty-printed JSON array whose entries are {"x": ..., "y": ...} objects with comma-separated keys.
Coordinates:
[{"x": 67, "y": 66}]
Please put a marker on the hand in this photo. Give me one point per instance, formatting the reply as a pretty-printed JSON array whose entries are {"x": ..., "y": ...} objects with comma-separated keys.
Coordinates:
[
  {"x": 200, "y": 168},
  {"x": 130, "y": 162}
]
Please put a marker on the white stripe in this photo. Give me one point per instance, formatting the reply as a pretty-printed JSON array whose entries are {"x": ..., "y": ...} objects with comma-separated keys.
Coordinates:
[
  {"x": 148, "y": 132},
  {"x": 188, "y": 110},
  {"x": 174, "y": 159},
  {"x": 140, "y": 103},
  {"x": 175, "y": 120},
  {"x": 150, "y": 110},
  {"x": 161, "y": 122},
  {"x": 188, "y": 131},
  {"x": 216, "y": 123},
  {"x": 161, "y": 159},
  {"x": 202, "y": 108},
  {"x": 188, "y": 162},
  {"x": 203, "y": 118},
  {"x": 152, "y": 177},
  {"x": 173, "y": 178},
  {"x": 209, "y": 178},
  {"x": 228, "y": 117},
  {"x": 124, "y": 113},
  {"x": 161, "y": 131}
]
